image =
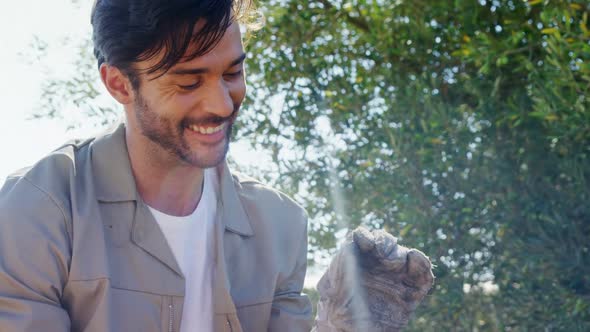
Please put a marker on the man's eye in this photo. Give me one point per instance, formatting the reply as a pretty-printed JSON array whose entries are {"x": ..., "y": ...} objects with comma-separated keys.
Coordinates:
[
  {"x": 190, "y": 86},
  {"x": 234, "y": 74}
]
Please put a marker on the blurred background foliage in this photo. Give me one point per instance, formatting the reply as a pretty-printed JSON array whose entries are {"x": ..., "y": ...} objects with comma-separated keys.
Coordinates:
[{"x": 461, "y": 126}]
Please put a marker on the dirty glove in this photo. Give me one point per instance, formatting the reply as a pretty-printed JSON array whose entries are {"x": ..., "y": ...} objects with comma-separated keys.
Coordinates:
[{"x": 372, "y": 284}]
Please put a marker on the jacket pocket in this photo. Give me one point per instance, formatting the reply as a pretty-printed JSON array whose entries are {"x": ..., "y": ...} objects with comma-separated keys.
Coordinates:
[
  {"x": 93, "y": 305},
  {"x": 254, "y": 317},
  {"x": 135, "y": 311}
]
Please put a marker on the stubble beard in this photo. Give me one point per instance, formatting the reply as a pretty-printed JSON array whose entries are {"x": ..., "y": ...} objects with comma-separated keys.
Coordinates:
[{"x": 170, "y": 138}]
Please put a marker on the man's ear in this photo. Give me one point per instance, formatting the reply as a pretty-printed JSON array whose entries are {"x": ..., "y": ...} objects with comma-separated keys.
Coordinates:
[{"x": 117, "y": 83}]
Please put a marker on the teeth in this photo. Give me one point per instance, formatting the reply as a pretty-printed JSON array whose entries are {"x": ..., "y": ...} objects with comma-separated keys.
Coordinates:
[{"x": 209, "y": 130}]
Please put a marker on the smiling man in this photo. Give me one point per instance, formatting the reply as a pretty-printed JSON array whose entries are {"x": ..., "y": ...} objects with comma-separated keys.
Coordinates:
[
  {"x": 179, "y": 122},
  {"x": 145, "y": 228}
]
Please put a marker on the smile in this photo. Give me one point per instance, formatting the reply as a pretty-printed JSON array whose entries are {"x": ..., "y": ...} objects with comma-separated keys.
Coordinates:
[{"x": 208, "y": 130}]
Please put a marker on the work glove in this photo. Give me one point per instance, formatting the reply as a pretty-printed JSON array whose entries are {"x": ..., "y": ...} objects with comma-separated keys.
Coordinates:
[{"x": 372, "y": 284}]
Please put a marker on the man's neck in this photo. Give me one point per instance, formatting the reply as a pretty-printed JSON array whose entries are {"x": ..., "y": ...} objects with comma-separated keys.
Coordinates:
[{"x": 164, "y": 184}]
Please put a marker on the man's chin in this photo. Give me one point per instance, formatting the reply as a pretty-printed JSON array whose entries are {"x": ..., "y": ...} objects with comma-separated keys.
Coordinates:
[{"x": 207, "y": 159}]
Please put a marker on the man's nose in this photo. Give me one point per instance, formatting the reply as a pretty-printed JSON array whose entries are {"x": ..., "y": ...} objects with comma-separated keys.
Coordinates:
[{"x": 217, "y": 100}]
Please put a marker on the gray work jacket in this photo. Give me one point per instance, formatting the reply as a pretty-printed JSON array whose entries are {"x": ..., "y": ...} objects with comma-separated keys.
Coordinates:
[{"x": 80, "y": 251}]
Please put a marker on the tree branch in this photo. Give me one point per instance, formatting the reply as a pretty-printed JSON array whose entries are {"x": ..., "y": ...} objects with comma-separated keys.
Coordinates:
[{"x": 356, "y": 21}]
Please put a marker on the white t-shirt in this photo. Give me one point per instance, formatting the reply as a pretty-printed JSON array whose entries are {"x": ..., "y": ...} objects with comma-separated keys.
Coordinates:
[{"x": 191, "y": 239}]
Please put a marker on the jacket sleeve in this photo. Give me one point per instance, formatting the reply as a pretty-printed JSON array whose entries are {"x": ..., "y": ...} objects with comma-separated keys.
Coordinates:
[
  {"x": 34, "y": 259},
  {"x": 291, "y": 309}
]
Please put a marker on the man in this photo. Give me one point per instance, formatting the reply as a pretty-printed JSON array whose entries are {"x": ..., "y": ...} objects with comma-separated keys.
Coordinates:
[{"x": 145, "y": 228}]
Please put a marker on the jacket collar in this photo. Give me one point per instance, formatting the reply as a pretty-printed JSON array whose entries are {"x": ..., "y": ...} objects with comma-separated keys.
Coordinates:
[
  {"x": 115, "y": 181},
  {"x": 234, "y": 215}
]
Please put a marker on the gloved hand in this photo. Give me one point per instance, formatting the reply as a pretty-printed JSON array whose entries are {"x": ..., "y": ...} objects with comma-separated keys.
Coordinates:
[{"x": 372, "y": 284}]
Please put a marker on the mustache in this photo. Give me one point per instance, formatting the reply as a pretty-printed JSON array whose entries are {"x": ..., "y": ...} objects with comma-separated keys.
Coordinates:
[{"x": 209, "y": 120}]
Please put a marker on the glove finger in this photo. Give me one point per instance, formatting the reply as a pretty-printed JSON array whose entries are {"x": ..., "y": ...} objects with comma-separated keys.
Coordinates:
[
  {"x": 385, "y": 244},
  {"x": 419, "y": 271},
  {"x": 396, "y": 260},
  {"x": 364, "y": 239}
]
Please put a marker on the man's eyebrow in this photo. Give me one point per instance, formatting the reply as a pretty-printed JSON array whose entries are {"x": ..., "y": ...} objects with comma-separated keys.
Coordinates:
[
  {"x": 239, "y": 60},
  {"x": 196, "y": 71}
]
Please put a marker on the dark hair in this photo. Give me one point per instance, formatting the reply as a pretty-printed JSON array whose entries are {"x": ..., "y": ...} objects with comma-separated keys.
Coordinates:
[{"x": 127, "y": 31}]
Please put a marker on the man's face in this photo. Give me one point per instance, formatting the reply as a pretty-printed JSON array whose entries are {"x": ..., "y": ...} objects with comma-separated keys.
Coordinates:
[{"x": 188, "y": 112}]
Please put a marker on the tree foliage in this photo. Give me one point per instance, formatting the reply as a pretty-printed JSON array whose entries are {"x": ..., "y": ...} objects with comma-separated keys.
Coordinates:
[{"x": 461, "y": 126}]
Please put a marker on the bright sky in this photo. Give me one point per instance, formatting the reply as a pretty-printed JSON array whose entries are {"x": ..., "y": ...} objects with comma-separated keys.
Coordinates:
[{"x": 23, "y": 141}]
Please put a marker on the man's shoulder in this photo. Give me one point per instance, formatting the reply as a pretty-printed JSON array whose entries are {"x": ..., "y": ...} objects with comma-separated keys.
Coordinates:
[
  {"x": 277, "y": 220},
  {"x": 59, "y": 164},
  {"x": 253, "y": 190},
  {"x": 52, "y": 175}
]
